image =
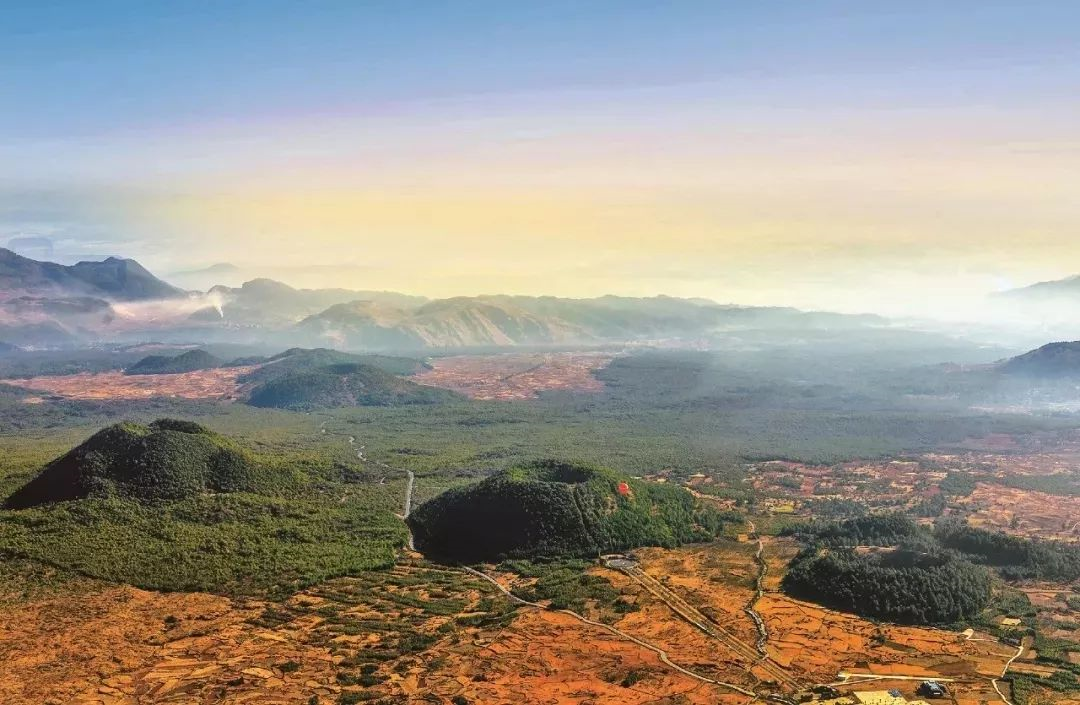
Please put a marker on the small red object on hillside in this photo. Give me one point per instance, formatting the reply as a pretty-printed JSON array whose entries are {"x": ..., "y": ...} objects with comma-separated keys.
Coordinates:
[{"x": 624, "y": 489}]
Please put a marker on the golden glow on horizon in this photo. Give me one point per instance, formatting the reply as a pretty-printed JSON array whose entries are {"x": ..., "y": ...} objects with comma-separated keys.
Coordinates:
[{"x": 833, "y": 210}]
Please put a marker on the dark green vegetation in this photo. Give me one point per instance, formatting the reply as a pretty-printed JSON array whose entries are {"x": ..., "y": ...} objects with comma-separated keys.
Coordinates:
[
  {"x": 306, "y": 380},
  {"x": 17, "y": 364},
  {"x": 296, "y": 360},
  {"x": 565, "y": 584},
  {"x": 26, "y": 363},
  {"x": 1048, "y": 651},
  {"x": 903, "y": 586},
  {"x": 711, "y": 413},
  {"x": 550, "y": 508},
  {"x": 169, "y": 459},
  {"x": 904, "y": 578},
  {"x": 189, "y": 361},
  {"x": 1065, "y": 485},
  {"x": 911, "y": 574},
  {"x": 343, "y": 385},
  {"x": 1016, "y": 558},
  {"x": 235, "y": 543},
  {"x": 903, "y": 575}
]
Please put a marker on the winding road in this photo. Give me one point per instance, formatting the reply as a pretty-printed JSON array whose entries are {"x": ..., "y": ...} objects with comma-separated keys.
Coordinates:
[
  {"x": 759, "y": 590},
  {"x": 694, "y": 616},
  {"x": 994, "y": 682}
]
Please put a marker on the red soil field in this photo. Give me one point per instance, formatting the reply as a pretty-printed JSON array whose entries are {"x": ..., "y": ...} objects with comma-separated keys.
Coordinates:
[{"x": 203, "y": 384}]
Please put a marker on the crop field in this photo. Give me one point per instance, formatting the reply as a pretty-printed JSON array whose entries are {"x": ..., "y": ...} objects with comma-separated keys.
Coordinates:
[
  {"x": 216, "y": 384},
  {"x": 1025, "y": 512},
  {"x": 415, "y": 632},
  {"x": 515, "y": 375}
]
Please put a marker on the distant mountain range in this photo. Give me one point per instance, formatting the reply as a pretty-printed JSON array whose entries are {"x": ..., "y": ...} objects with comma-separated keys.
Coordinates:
[
  {"x": 269, "y": 302},
  {"x": 118, "y": 300},
  {"x": 220, "y": 273},
  {"x": 113, "y": 279},
  {"x": 1058, "y": 289},
  {"x": 49, "y": 304},
  {"x": 525, "y": 320}
]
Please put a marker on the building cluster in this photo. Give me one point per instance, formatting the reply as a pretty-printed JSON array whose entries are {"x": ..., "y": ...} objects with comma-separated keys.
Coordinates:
[{"x": 930, "y": 690}]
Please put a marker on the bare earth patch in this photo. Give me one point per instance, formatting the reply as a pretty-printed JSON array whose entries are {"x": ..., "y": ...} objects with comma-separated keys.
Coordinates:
[
  {"x": 515, "y": 375},
  {"x": 218, "y": 384},
  {"x": 1025, "y": 512},
  {"x": 814, "y": 644},
  {"x": 123, "y": 645}
]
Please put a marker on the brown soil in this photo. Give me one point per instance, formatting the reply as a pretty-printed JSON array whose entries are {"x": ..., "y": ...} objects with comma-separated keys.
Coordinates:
[
  {"x": 515, "y": 375},
  {"x": 1025, "y": 512},
  {"x": 107, "y": 645},
  {"x": 122, "y": 645},
  {"x": 548, "y": 657}
]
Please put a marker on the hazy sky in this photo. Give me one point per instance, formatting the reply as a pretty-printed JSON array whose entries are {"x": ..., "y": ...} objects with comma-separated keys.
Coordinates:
[{"x": 895, "y": 156}]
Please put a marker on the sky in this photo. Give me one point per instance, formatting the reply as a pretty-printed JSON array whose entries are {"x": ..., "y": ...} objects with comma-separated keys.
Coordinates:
[{"x": 899, "y": 157}]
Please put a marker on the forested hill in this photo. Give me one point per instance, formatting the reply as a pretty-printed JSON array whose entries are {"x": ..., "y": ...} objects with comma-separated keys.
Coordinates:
[
  {"x": 551, "y": 508},
  {"x": 343, "y": 385},
  {"x": 169, "y": 459},
  {"x": 189, "y": 361}
]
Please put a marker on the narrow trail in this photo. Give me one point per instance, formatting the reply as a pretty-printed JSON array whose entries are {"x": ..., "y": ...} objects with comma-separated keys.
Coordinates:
[
  {"x": 409, "y": 475},
  {"x": 663, "y": 655},
  {"x": 759, "y": 590},
  {"x": 994, "y": 682}
]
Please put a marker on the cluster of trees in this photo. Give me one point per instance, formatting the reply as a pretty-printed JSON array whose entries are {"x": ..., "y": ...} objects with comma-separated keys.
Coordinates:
[
  {"x": 227, "y": 543},
  {"x": 901, "y": 586},
  {"x": 566, "y": 584},
  {"x": 174, "y": 506},
  {"x": 870, "y": 530},
  {"x": 1017, "y": 558},
  {"x": 958, "y": 484},
  {"x": 551, "y": 508},
  {"x": 189, "y": 361},
  {"x": 922, "y": 575},
  {"x": 311, "y": 359},
  {"x": 1065, "y": 485}
]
